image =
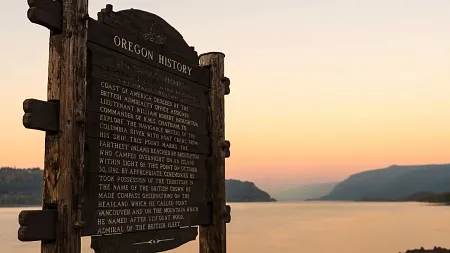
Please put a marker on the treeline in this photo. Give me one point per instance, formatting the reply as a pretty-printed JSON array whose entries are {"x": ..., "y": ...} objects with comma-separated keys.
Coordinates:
[
  {"x": 20, "y": 186},
  {"x": 428, "y": 197},
  {"x": 24, "y": 187}
]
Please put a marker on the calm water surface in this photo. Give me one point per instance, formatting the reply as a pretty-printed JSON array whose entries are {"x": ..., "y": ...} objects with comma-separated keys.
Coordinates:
[{"x": 319, "y": 227}]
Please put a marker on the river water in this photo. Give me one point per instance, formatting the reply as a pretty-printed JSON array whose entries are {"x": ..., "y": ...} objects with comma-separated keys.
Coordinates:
[{"x": 310, "y": 227}]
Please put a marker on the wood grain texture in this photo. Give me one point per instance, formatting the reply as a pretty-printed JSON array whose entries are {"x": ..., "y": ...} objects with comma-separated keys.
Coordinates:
[
  {"x": 37, "y": 225},
  {"x": 144, "y": 242},
  {"x": 227, "y": 214},
  {"x": 226, "y": 147},
  {"x": 71, "y": 139},
  {"x": 46, "y": 13},
  {"x": 213, "y": 237},
  {"x": 51, "y": 156},
  {"x": 41, "y": 115},
  {"x": 226, "y": 84}
]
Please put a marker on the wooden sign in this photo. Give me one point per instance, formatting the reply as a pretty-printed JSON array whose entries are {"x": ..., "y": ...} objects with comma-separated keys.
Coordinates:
[
  {"x": 135, "y": 144},
  {"x": 146, "y": 136},
  {"x": 149, "y": 241}
]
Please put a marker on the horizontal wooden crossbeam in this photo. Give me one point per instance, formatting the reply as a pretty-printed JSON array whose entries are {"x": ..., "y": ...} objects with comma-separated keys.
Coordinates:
[
  {"x": 226, "y": 84},
  {"x": 41, "y": 115},
  {"x": 47, "y": 13},
  {"x": 37, "y": 225},
  {"x": 226, "y": 147},
  {"x": 227, "y": 214}
]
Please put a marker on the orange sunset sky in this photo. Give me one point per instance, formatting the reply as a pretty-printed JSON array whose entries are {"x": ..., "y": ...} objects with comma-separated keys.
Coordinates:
[{"x": 319, "y": 89}]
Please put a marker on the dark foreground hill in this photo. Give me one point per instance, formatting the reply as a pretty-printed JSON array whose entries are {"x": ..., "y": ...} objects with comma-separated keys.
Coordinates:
[
  {"x": 394, "y": 182},
  {"x": 239, "y": 191},
  {"x": 24, "y": 187}
]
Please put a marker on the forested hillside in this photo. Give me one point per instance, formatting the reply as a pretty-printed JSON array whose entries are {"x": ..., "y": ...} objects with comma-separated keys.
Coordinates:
[
  {"x": 24, "y": 187},
  {"x": 239, "y": 191},
  {"x": 20, "y": 186},
  {"x": 394, "y": 182}
]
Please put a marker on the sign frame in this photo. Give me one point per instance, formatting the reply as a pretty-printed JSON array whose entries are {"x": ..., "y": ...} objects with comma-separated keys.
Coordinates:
[{"x": 65, "y": 117}]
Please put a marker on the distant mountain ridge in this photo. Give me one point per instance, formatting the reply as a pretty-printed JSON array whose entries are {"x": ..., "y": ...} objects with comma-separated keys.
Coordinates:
[
  {"x": 24, "y": 187},
  {"x": 304, "y": 192},
  {"x": 393, "y": 182}
]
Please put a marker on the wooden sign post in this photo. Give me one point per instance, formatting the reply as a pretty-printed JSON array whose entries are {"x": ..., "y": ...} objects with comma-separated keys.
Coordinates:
[
  {"x": 134, "y": 147},
  {"x": 213, "y": 237}
]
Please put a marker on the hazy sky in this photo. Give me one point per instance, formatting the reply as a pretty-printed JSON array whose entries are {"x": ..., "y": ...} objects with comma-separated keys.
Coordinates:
[{"x": 319, "y": 89}]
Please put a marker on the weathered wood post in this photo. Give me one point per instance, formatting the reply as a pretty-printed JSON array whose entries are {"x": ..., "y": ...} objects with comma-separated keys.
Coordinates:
[
  {"x": 51, "y": 157},
  {"x": 71, "y": 125},
  {"x": 62, "y": 117},
  {"x": 213, "y": 237},
  {"x": 129, "y": 129}
]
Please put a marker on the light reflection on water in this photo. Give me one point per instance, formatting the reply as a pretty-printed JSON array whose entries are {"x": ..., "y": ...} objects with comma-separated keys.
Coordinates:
[{"x": 318, "y": 227}]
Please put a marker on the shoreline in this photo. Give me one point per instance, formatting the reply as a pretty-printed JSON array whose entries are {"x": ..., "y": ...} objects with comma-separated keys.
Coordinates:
[
  {"x": 19, "y": 205},
  {"x": 228, "y": 202},
  {"x": 280, "y": 201}
]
